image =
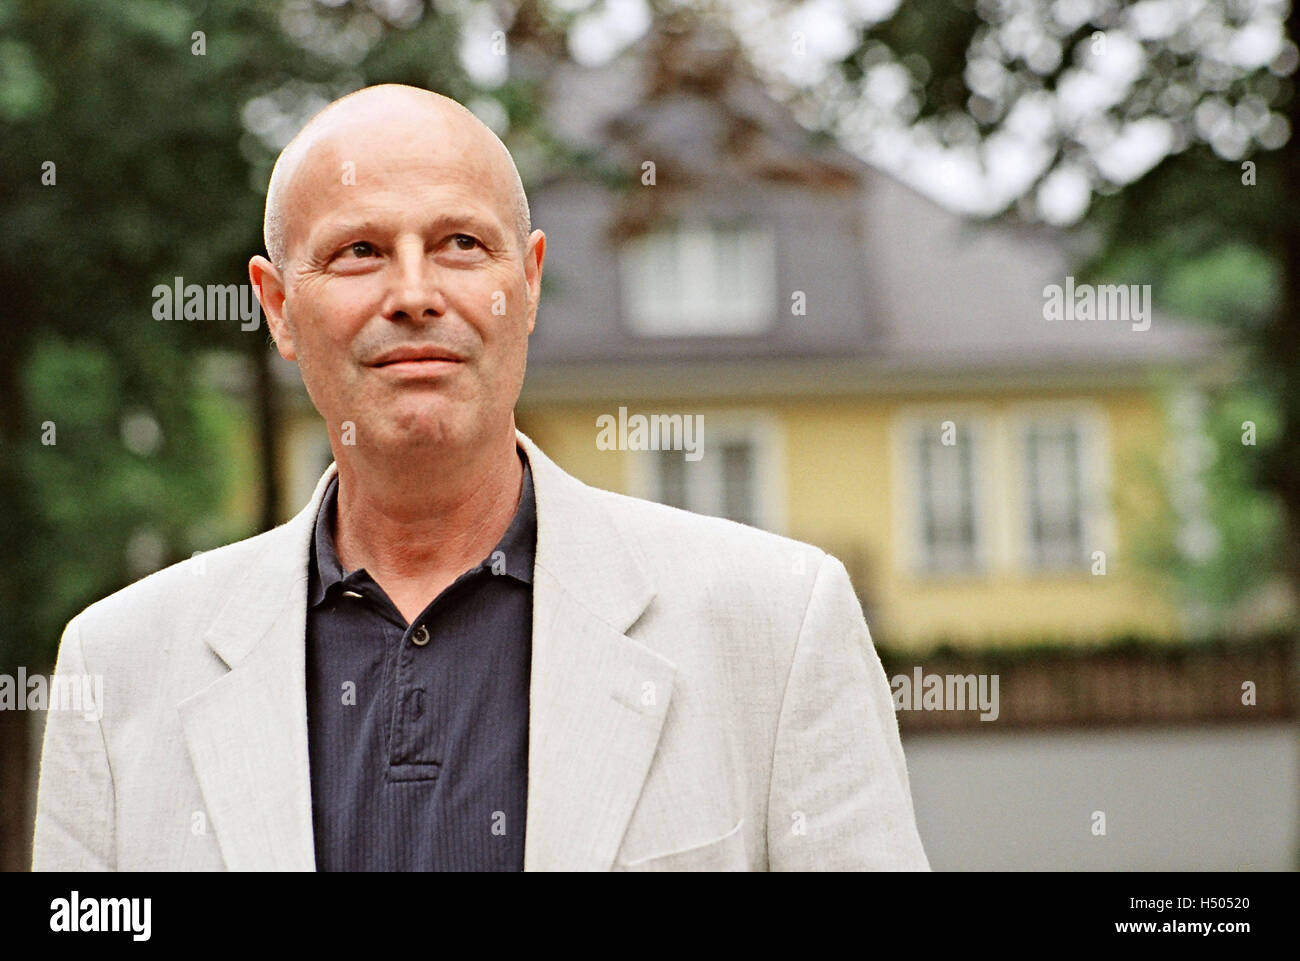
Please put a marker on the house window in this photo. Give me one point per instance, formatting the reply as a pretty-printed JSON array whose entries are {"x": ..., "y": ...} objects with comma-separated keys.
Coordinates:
[
  {"x": 699, "y": 279},
  {"x": 735, "y": 470},
  {"x": 724, "y": 482},
  {"x": 1054, "y": 498},
  {"x": 948, "y": 535}
]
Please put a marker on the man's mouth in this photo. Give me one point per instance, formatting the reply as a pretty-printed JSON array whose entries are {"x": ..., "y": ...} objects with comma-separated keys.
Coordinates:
[{"x": 417, "y": 360}]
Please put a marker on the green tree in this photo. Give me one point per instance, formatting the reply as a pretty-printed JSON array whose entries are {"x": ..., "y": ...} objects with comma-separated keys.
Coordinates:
[{"x": 135, "y": 143}]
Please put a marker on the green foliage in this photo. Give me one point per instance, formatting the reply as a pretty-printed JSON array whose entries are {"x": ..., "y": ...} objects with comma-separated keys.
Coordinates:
[
  {"x": 1219, "y": 267},
  {"x": 1203, "y": 239},
  {"x": 97, "y": 494},
  {"x": 1235, "y": 286},
  {"x": 931, "y": 38},
  {"x": 155, "y": 176},
  {"x": 1248, "y": 521}
]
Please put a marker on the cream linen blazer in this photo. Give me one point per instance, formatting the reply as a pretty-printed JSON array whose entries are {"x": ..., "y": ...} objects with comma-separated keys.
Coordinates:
[{"x": 704, "y": 696}]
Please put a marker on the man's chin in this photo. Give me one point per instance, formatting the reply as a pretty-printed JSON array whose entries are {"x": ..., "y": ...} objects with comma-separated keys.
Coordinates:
[{"x": 423, "y": 428}]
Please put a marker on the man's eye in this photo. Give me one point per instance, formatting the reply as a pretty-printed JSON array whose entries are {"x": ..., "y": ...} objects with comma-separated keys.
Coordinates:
[
  {"x": 465, "y": 241},
  {"x": 360, "y": 249}
]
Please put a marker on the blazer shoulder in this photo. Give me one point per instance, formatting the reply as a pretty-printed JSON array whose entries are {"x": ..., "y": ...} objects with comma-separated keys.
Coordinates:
[
  {"x": 187, "y": 592},
  {"x": 676, "y": 540}
]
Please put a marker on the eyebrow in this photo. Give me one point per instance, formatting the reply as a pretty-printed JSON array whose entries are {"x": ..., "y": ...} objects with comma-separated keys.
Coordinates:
[{"x": 334, "y": 232}]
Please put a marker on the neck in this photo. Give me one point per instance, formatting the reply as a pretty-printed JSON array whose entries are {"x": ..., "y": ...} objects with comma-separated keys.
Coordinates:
[{"x": 417, "y": 521}]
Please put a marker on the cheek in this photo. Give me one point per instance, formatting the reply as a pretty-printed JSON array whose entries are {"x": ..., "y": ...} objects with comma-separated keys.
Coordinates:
[
  {"x": 332, "y": 319},
  {"x": 346, "y": 310},
  {"x": 496, "y": 301}
]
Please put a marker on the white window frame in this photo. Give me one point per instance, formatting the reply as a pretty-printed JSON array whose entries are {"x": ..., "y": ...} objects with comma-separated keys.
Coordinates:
[
  {"x": 1097, "y": 524},
  {"x": 695, "y": 306},
  {"x": 758, "y": 429},
  {"x": 912, "y": 550}
]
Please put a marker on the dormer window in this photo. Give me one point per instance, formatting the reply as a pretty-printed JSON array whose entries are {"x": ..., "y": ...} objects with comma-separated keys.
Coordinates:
[{"x": 700, "y": 279}]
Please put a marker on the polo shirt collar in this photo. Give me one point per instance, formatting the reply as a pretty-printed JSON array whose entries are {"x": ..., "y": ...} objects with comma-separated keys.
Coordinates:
[{"x": 512, "y": 556}]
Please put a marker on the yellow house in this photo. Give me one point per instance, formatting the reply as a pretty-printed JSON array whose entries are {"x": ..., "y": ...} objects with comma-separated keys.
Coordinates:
[
  {"x": 966, "y": 550},
  {"x": 826, "y": 354}
]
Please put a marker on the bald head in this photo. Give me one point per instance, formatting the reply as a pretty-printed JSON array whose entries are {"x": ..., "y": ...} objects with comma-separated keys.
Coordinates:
[{"x": 355, "y": 126}]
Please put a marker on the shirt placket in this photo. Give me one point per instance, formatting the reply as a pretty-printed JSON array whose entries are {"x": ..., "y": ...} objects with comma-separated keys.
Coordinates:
[{"x": 415, "y": 748}]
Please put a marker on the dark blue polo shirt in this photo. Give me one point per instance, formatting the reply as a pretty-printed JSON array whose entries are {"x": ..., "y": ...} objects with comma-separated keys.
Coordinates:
[{"x": 418, "y": 734}]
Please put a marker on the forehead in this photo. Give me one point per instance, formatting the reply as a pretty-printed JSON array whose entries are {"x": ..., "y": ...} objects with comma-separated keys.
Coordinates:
[{"x": 407, "y": 167}]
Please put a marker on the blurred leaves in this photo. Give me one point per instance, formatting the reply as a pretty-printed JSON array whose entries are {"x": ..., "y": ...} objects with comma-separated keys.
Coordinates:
[{"x": 156, "y": 176}]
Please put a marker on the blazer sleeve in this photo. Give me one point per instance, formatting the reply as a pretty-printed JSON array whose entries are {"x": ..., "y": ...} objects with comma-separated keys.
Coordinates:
[
  {"x": 74, "y": 799},
  {"x": 840, "y": 799}
]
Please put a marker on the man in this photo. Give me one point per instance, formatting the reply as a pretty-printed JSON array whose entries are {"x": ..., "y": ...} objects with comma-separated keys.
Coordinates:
[{"x": 457, "y": 656}]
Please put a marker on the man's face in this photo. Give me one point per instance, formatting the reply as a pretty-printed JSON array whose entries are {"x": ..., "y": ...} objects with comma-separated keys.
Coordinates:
[{"x": 406, "y": 299}]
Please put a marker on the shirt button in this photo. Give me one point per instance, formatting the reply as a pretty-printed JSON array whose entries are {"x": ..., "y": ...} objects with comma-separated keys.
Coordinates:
[{"x": 421, "y": 636}]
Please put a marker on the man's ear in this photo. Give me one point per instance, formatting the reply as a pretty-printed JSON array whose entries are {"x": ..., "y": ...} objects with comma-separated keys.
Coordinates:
[
  {"x": 269, "y": 285},
  {"x": 534, "y": 256}
]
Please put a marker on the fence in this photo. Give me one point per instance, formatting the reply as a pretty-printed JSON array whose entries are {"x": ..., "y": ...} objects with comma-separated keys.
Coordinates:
[{"x": 1130, "y": 684}]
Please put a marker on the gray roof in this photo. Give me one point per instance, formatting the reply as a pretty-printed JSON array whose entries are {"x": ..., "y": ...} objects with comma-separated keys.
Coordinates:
[
  {"x": 952, "y": 293},
  {"x": 899, "y": 288}
]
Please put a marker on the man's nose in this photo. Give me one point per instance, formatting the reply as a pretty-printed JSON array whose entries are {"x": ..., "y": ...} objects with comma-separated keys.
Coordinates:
[{"x": 415, "y": 287}]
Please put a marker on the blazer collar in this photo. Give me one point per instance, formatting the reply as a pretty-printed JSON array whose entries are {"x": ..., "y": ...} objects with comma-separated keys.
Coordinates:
[
  {"x": 580, "y": 544},
  {"x": 597, "y": 697}
]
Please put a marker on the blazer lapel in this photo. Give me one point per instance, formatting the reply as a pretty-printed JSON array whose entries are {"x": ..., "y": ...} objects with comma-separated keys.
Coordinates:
[
  {"x": 598, "y": 698},
  {"x": 247, "y": 731}
]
